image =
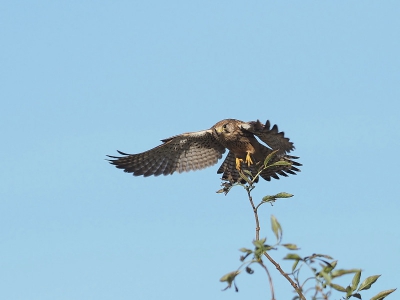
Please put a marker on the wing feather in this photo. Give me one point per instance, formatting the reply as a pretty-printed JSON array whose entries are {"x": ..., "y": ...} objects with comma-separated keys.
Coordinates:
[
  {"x": 180, "y": 153},
  {"x": 271, "y": 136}
]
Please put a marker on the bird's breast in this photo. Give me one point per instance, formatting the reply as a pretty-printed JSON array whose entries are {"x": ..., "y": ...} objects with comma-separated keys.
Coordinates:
[{"x": 241, "y": 147}]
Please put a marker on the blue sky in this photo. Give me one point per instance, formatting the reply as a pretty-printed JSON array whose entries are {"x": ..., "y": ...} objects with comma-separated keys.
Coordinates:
[{"x": 81, "y": 79}]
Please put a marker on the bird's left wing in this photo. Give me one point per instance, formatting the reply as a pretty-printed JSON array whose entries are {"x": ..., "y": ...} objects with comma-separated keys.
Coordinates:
[{"x": 271, "y": 136}]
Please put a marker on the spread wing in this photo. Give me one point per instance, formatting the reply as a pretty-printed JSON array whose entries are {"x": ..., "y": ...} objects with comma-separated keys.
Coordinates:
[
  {"x": 271, "y": 136},
  {"x": 181, "y": 153}
]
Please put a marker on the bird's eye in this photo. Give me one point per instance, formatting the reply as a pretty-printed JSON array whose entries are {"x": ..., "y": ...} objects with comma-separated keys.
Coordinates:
[{"x": 225, "y": 128}]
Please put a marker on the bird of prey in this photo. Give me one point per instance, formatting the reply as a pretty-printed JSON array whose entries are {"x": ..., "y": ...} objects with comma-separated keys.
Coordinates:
[{"x": 201, "y": 149}]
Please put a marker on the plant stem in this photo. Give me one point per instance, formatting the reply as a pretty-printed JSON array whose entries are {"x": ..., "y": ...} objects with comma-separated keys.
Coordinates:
[
  {"x": 271, "y": 285},
  {"x": 277, "y": 266},
  {"x": 255, "y": 214}
]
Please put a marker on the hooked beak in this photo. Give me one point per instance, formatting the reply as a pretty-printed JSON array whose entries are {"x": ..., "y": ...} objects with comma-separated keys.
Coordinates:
[{"x": 218, "y": 130}]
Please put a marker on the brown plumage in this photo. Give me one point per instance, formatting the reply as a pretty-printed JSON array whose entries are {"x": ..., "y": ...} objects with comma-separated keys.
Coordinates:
[{"x": 201, "y": 149}]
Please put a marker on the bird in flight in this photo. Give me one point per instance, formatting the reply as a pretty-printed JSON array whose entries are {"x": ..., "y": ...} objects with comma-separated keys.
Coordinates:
[{"x": 201, "y": 149}]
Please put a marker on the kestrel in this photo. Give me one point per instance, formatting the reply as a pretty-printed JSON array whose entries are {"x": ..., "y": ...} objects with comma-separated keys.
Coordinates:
[{"x": 201, "y": 149}]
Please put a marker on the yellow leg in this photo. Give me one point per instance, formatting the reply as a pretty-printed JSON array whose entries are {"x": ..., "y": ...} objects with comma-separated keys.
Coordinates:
[
  {"x": 238, "y": 163},
  {"x": 248, "y": 159}
]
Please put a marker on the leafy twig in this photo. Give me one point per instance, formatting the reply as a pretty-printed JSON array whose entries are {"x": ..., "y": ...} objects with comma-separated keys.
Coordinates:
[{"x": 249, "y": 188}]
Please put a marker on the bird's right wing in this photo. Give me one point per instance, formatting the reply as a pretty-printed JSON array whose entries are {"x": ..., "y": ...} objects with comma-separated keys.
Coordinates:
[{"x": 181, "y": 153}]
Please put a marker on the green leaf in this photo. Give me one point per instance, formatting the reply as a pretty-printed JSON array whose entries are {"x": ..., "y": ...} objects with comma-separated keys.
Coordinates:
[
  {"x": 283, "y": 195},
  {"x": 294, "y": 256},
  {"x": 268, "y": 198},
  {"x": 356, "y": 280},
  {"x": 326, "y": 277},
  {"x": 259, "y": 243},
  {"x": 296, "y": 262},
  {"x": 340, "y": 272},
  {"x": 244, "y": 177},
  {"x": 382, "y": 294},
  {"x": 338, "y": 287},
  {"x": 230, "y": 277},
  {"x": 321, "y": 255},
  {"x": 329, "y": 266},
  {"x": 348, "y": 291},
  {"x": 290, "y": 246},
  {"x": 261, "y": 248},
  {"x": 276, "y": 228},
  {"x": 366, "y": 284},
  {"x": 280, "y": 163},
  {"x": 248, "y": 173},
  {"x": 245, "y": 250},
  {"x": 357, "y": 295},
  {"x": 269, "y": 157}
]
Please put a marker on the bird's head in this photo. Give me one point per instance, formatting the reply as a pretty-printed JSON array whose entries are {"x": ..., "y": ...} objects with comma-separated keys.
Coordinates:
[{"x": 224, "y": 128}]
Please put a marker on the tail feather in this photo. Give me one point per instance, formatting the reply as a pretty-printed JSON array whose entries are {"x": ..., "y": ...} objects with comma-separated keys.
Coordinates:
[{"x": 231, "y": 174}]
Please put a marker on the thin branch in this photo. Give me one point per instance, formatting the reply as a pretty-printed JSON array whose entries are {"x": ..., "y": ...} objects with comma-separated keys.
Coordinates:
[
  {"x": 277, "y": 266},
  {"x": 271, "y": 285},
  {"x": 255, "y": 213}
]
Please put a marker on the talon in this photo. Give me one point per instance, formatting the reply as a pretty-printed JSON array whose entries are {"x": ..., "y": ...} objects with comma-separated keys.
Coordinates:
[
  {"x": 238, "y": 163},
  {"x": 248, "y": 159}
]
